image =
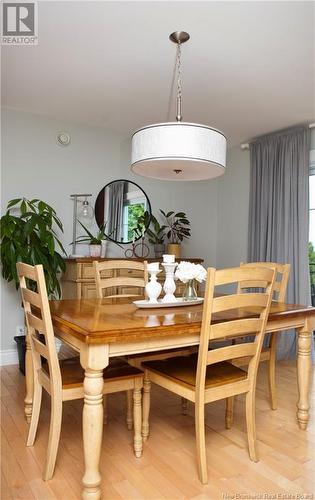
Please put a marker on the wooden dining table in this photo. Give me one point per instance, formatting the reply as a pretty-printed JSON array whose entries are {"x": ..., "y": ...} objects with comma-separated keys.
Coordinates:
[{"x": 98, "y": 331}]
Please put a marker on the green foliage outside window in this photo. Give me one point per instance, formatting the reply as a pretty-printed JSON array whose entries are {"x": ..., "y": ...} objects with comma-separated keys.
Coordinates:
[
  {"x": 311, "y": 258},
  {"x": 134, "y": 213}
]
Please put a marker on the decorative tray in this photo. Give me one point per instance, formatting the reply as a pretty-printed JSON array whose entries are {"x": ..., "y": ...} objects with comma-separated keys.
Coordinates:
[{"x": 145, "y": 304}]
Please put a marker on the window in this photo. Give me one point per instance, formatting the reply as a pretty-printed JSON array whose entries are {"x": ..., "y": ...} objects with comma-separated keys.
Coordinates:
[{"x": 134, "y": 207}]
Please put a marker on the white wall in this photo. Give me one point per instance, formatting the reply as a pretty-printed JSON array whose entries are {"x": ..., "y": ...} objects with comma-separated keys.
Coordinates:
[
  {"x": 33, "y": 165},
  {"x": 233, "y": 199}
]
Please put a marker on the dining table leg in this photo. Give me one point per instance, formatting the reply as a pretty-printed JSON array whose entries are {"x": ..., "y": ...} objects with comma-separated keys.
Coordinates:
[
  {"x": 94, "y": 359},
  {"x": 304, "y": 370},
  {"x": 29, "y": 381}
]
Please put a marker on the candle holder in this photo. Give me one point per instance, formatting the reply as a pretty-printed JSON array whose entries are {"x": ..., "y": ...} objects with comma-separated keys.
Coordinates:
[
  {"x": 153, "y": 288},
  {"x": 169, "y": 284}
]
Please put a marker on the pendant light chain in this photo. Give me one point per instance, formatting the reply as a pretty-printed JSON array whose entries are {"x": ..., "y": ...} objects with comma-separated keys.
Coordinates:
[{"x": 179, "y": 84}]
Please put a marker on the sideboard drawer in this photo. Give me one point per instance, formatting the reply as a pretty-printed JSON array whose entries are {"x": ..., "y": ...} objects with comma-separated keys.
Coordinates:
[
  {"x": 130, "y": 273},
  {"x": 125, "y": 290},
  {"x": 88, "y": 291},
  {"x": 87, "y": 272}
]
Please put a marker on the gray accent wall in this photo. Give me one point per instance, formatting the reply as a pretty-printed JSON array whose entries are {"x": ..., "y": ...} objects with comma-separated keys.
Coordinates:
[{"x": 33, "y": 165}]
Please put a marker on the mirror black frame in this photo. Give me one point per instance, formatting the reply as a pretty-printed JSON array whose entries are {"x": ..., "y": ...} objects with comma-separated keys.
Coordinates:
[{"x": 99, "y": 223}]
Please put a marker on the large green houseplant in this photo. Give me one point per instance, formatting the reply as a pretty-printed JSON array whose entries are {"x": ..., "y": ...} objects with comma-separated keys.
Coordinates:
[
  {"x": 177, "y": 229},
  {"x": 28, "y": 234}
]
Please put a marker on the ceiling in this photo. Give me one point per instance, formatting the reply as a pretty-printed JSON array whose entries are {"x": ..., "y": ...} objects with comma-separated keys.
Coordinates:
[{"x": 247, "y": 70}]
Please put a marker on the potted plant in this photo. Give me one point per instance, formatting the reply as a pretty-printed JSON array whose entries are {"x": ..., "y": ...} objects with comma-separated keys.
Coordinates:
[
  {"x": 157, "y": 237},
  {"x": 95, "y": 241},
  {"x": 155, "y": 232},
  {"x": 177, "y": 229},
  {"x": 28, "y": 235}
]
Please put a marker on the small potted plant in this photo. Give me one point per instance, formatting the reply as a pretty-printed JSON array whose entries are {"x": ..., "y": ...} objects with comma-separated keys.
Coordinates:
[
  {"x": 177, "y": 229},
  {"x": 95, "y": 241},
  {"x": 154, "y": 231},
  {"x": 156, "y": 236}
]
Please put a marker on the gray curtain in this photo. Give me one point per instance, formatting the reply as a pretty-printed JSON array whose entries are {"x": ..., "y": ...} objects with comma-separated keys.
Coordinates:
[
  {"x": 278, "y": 212},
  {"x": 115, "y": 210}
]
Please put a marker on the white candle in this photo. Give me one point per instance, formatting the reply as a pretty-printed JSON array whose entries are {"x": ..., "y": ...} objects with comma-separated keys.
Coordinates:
[
  {"x": 153, "y": 266},
  {"x": 168, "y": 258}
]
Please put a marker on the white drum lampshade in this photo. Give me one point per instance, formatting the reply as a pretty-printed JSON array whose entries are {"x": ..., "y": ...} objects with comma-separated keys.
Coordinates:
[{"x": 178, "y": 151}]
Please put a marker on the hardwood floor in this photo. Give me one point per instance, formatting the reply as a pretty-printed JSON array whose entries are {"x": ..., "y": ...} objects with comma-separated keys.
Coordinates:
[{"x": 167, "y": 468}]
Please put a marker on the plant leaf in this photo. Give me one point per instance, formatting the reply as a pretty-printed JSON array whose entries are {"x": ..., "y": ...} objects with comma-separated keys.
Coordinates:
[{"x": 13, "y": 202}]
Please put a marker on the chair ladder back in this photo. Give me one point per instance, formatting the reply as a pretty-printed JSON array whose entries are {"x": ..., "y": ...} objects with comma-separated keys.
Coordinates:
[
  {"x": 204, "y": 336},
  {"x": 281, "y": 281},
  {"x": 37, "y": 302},
  {"x": 237, "y": 308},
  {"x": 116, "y": 282}
]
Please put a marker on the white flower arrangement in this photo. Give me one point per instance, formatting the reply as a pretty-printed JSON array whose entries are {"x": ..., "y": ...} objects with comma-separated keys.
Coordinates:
[{"x": 187, "y": 271}]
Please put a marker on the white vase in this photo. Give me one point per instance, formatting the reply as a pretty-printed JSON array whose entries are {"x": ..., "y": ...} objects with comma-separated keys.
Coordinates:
[
  {"x": 153, "y": 288},
  {"x": 95, "y": 250},
  {"x": 190, "y": 291}
]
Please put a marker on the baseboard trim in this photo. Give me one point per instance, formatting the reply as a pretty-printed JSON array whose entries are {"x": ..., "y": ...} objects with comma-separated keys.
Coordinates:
[{"x": 8, "y": 357}]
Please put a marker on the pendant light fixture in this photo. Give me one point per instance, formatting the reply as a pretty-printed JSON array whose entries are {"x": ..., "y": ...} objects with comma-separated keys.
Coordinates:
[{"x": 178, "y": 151}]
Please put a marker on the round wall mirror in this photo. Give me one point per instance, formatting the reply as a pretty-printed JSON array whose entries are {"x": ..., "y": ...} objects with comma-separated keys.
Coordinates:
[{"x": 119, "y": 205}]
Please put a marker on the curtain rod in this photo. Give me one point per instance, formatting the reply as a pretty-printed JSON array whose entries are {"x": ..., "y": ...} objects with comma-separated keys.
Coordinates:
[{"x": 245, "y": 145}]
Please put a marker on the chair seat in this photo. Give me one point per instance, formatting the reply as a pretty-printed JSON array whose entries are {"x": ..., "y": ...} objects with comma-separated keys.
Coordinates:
[
  {"x": 72, "y": 373},
  {"x": 139, "y": 359},
  {"x": 158, "y": 353},
  {"x": 183, "y": 370}
]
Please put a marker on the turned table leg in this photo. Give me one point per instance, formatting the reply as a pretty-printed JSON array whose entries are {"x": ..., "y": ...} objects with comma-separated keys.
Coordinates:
[
  {"x": 146, "y": 405},
  {"x": 29, "y": 381},
  {"x": 93, "y": 359},
  {"x": 304, "y": 365}
]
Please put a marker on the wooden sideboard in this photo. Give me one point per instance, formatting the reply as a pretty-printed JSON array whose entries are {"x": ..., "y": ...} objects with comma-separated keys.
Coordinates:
[{"x": 78, "y": 280}]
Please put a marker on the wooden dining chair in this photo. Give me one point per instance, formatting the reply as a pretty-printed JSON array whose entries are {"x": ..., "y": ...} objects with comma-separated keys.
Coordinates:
[
  {"x": 209, "y": 375},
  {"x": 63, "y": 380},
  {"x": 120, "y": 281},
  {"x": 269, "y": 352},
  {"x": 125, "y": 280}
]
